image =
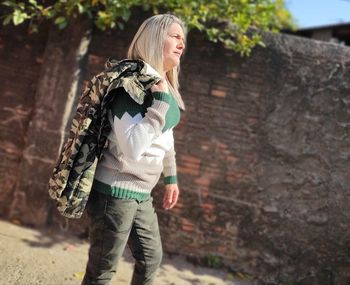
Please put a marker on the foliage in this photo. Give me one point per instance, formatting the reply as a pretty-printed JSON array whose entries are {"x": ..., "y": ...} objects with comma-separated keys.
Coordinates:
[
  {"x": 238, "y": 24},
  {"x": 213, "y": 261}
]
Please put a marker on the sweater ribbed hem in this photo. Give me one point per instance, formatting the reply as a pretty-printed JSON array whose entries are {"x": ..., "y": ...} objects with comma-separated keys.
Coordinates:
[
  {"x": 120, "y": 193},
  {"x": 170, "y": 180},
  {"x": 162, "y": 96}
]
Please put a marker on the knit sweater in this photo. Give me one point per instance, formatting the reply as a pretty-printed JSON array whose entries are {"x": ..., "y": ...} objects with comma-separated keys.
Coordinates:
[{"x": 140, "y": 148}]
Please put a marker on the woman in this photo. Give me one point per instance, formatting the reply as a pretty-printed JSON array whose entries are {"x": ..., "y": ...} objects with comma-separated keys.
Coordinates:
[{"x": 141, "y": 147}]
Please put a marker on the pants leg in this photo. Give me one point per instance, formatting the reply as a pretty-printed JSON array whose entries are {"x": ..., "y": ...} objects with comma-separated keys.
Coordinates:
[
  {"x": 145, "y": 244},
  {"x": 110, "y": 225}
]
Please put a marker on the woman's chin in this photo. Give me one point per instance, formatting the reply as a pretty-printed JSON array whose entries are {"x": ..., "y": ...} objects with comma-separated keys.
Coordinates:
[{"x": 171, "y": 66}]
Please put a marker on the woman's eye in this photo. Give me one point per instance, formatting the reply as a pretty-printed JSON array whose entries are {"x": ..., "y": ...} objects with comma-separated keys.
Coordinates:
[{"x": 178, "y": 38}]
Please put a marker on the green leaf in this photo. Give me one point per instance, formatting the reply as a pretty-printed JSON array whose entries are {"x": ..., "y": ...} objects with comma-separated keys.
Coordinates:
[
  {"x": 19, "y": 17},
  {"x": 48, "y": 13},
  {"x": 120, "y": 25},
  {"x": 81, "y": 8},
  {"x": 62, "y": 25},
  {"x": 126, "y": 14},
  {"x": 21, "y": 5},
  {"x": 61, "y": 22},
  {"x": 8, "y": 3},
  {"x": 34, "y": 29},
  {"x": 7, "y": 20},
  {"x": 34, "y": 3}
]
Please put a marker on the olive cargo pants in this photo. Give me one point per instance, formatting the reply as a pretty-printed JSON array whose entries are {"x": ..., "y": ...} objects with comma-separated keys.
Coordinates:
[{"x": 115, "y": 223}]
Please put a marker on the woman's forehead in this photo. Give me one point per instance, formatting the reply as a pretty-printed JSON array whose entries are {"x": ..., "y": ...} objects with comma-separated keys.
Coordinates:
[{"x": 176, "y": 28}]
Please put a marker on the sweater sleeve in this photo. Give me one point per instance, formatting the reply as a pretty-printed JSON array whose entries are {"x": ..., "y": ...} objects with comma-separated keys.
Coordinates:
[
  {"x": 135, "y": 135},
  {"x": 169, "y": 165}
]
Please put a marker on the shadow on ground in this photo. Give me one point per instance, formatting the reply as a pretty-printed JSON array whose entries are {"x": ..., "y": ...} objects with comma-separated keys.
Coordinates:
[{"x": 50, "y": 257}]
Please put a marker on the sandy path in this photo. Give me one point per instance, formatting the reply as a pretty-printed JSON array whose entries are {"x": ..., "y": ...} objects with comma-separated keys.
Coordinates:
[{"x": 33, "y": 257}]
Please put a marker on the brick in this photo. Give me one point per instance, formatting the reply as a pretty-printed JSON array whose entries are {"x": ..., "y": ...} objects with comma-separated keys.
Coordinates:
[
  {"x": 218, "y": 93},
  {"x": 232, "y": 75}
]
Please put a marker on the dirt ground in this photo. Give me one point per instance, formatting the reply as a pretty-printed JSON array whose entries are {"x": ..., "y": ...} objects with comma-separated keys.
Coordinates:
[{"x": 42, "y": 257}]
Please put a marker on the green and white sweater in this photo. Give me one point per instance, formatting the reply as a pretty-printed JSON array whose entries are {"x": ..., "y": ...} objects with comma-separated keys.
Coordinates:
[{"x": 141, "y": 146}]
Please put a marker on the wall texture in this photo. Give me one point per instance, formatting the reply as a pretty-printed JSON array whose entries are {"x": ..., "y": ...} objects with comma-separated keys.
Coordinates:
[
  {"x": 263, "y": 148},
  {"x": 20, "y": 63}
]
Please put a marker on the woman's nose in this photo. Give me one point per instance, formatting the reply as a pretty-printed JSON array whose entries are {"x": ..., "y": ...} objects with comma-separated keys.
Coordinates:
[{"x": 181, "y": 45}]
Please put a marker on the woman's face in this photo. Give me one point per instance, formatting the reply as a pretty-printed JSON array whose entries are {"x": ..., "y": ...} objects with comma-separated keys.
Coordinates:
[{"x": 174, "y": 46}]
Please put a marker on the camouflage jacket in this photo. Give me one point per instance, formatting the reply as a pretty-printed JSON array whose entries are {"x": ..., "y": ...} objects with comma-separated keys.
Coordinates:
[{"x": 71, "y": 180}]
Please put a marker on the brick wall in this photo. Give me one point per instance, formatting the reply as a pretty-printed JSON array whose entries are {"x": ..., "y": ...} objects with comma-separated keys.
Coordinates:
[{"x": 262, "y": 149}]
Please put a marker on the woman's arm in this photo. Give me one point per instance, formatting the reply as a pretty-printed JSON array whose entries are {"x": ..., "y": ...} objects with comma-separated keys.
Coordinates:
[{"x": 172, "y": 192}]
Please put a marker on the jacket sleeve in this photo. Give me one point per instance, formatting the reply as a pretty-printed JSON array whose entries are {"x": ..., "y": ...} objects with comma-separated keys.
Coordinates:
[
  {"x": 135, "y": 136},
  {"x": 169, "y": 165}
]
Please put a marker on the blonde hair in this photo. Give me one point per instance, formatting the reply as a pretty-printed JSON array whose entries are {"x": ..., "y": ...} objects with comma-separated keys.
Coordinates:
[{"x": 148, "y": 44}]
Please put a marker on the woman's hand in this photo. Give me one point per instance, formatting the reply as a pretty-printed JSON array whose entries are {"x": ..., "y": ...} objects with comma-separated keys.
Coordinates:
[
  {"x": 160, "y": 86},
  {"x": 171, "y": 196}
]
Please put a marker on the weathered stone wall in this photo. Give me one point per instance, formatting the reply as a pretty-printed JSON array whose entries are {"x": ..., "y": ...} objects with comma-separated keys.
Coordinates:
[
  {"x": 20, "y": 63},
  {"x": 303, "y": 161},
  {"x": 262, "y": 150}
]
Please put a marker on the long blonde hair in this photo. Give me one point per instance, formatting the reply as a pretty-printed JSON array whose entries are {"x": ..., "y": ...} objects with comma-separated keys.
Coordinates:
[{"x": 148, "y": 44}]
